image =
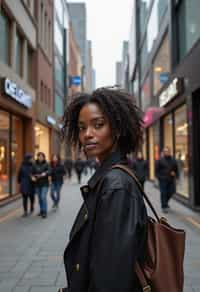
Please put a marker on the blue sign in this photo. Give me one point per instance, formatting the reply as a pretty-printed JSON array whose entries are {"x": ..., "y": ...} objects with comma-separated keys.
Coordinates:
[
  {"x": 76, "y": 80},
  {"x": 164, "y": 77}
]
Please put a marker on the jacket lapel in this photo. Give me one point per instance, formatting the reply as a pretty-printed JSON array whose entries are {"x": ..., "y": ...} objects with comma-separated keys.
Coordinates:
[{"x": 80, "y": 221}]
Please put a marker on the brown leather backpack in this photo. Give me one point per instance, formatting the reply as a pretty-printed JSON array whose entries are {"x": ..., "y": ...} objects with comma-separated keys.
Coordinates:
[{"x": 163, "y": 269}]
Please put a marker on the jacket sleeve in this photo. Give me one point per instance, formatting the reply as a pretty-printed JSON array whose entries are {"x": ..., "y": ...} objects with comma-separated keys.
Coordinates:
[{"x": 116, "y": 242}]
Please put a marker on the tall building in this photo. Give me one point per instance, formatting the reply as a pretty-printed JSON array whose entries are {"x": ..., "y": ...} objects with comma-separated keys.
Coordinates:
[
  {"x": 78, "y": 16},
  {"x": 45, "y": 125},
  {"x": 18, "y": 89},
  {"x": 119, "y": 73},
  {"x": 61, "y": 62},
  {"x": 77, "y": 12},
  {"x": 93, "y": 79},
  {"x": 165, "y": 75},
  {"x": 75, "y": 64},
  {"x": 88, "y": 67}
]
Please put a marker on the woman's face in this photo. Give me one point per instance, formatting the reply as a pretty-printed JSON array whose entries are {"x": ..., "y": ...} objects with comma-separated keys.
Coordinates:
[
  {"x": 41, "y": 158},
  {"x": 95, "y": 133}
]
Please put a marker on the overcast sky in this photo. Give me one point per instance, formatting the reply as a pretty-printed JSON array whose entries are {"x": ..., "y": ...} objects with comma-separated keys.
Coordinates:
[{"x": 108, "y": 24}]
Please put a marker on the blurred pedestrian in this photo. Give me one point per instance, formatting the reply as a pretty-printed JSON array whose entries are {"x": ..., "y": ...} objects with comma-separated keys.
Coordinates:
[
  {"x": 166, "y": 172},
  {"x": 79, "y": 166},
  {"x": 26, "y": 184},
  {"x": 69, "y": 166},
  {"x": 140, "y": 167},
  {"x": 57, "y": 172},
  {"x": 40, "y": 176},
  {"x": 110, "y": 232}
]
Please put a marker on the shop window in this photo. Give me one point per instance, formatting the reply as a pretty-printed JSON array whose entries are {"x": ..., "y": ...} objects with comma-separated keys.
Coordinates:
[
  {"x": 4, "y": 38},
  {"x": 42, "y": 139},
  {"x": 4, "y": 154},
  {"x": 161, "y": 66},
  {"x": 16, "y": 151},
  {"x": 168, "y": 132},
  {"x": 188, "y": 25},
  {"x": 151, "y": 154},
  {"x": 18, "y": 54},
  {"x": 181, "y": 150}
]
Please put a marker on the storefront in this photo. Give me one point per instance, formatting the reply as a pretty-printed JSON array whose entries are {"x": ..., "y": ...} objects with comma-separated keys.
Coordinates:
[{"x": 15, "y": 134}]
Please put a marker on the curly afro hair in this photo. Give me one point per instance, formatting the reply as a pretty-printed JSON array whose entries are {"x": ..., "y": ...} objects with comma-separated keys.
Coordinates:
[{"x": 119, "y": 107}]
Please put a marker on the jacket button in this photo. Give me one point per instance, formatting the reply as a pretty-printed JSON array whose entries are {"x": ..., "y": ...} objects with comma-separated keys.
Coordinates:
[
  {"x": 86, "y": 216},
  {"x": 77, "y": 267}
]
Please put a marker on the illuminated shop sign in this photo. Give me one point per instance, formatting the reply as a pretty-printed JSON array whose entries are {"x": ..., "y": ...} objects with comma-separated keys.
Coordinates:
[
  {"x": 14, "y": 91},
  {"x": 51, "y": 120},
  {"x": 170, "y": 92}
]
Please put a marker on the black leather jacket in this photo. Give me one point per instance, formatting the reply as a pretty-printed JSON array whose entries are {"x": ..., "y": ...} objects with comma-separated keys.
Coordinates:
[{"x": 109, "y": 233}]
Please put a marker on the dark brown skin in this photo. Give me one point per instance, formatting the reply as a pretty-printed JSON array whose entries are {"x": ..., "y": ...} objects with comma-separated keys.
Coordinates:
[{"x": 95, "y": 133}]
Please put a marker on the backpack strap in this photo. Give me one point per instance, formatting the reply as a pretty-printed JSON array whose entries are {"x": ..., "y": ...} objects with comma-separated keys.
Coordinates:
[{"x": 130, "y": 172}]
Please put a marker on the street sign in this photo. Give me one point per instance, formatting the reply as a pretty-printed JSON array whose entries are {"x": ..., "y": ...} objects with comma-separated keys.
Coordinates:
[
  {"x": 164, "y": 77},
  {"x": 76, "y": 80}
]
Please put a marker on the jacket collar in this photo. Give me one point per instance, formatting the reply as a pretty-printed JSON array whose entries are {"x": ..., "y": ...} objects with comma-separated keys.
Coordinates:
[{"x": 114, "y": 158}]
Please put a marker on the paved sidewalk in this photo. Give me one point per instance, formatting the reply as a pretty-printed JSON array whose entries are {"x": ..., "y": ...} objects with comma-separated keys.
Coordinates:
[{"x": 31, "y": 248}]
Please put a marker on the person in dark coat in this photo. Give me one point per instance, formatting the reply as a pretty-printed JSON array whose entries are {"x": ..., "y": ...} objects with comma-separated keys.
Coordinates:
[
  {"x": 79, "y": 166},
  {"x": 40, "y": 176},
  {"x": 166, "y": 172},
  {"x": 26, "y": 184},
  {"x": 69, "y": 167},
  {"x": 140, "y": 167},
  {"x": 110, "y": 231},
  {"x": 57, "y": 172}
]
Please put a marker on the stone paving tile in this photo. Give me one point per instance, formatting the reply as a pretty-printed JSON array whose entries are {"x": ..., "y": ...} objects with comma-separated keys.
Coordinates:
[{"x": 31, "y": 251}]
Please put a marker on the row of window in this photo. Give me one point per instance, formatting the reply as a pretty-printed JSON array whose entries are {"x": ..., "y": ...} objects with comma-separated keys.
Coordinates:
[
  {"x": 187, "y": 22},
  {"x": 15, "y": 51},
  {"x": 45, "y": 94},
  {"x": 45, "y": 30}
]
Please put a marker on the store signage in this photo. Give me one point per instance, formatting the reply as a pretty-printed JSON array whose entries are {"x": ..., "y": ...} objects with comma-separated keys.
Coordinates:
[
  {"x": 51, "y": 120},
  {"x": 76, "y": 80},
  {"x": 170, "y": 92},
  {"x": 164, "y": 77},
  {"x": 14, "y": 91}
]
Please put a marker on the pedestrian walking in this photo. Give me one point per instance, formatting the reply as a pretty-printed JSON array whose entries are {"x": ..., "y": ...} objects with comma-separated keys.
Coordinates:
[
  {"x": 79, "y": 166},
  {"x": 69, "y": 166},
  {"x": 166, "y": 172},
  {"x": 26, "y": 184},
  {"x": 57, "y": 172},
  {"x": 140, "y": 167},
  {"x": 40, "y": 176},
  {"x": 110, "y": 231}
]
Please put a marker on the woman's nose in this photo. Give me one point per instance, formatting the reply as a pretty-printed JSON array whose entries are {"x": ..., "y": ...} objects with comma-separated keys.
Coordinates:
[{"x": 88, "y": 132}]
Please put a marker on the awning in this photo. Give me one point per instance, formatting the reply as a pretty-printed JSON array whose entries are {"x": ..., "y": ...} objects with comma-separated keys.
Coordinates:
[{"x": 152, "y": 114}]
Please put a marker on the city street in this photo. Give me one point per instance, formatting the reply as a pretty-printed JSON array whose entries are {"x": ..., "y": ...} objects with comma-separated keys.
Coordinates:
[{"x": 31, "y": 248}]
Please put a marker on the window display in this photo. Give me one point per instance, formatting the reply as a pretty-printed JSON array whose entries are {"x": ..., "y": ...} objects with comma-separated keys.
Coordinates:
[
  {"x": 168, "y": 132},
  {"x": 4, "y": 154},
  {"x": 181, "y": 149}
]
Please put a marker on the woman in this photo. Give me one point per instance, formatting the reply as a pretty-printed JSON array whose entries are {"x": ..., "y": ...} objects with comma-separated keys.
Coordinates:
[
  {"x": 26, "y": 184},
  {"x": 40, "y": 174},
  {"x": 110, "y": 231},
  {"x": 57, "y": 173}
]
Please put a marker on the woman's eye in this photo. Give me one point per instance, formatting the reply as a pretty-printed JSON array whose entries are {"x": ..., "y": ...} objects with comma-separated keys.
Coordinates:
[
  {"x": 98, "y": 125},
  {"x": 81, "y": 128}
]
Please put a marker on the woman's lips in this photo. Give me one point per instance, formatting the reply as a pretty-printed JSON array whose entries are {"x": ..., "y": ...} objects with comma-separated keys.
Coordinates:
[{"x": 90, "y": 146}]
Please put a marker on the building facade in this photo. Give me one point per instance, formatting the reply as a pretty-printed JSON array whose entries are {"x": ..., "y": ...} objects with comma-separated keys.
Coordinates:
[
  {"x": 164, "y": 75},
  {"x": 61, "y": 62},
  {"x": 45, "y": 121},
  {"x": 77, "y": 12},
  {"x": 18, "y": 89}
]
